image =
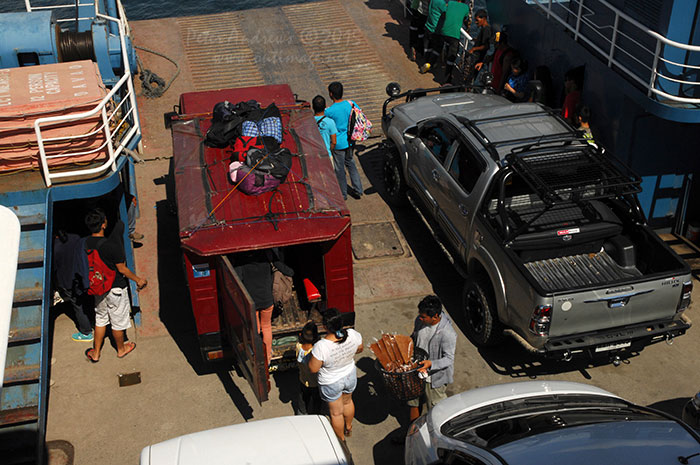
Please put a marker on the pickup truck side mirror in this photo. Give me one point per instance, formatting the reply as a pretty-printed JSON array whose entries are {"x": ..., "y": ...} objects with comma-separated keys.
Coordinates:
[{"x": 408, "y": 136}]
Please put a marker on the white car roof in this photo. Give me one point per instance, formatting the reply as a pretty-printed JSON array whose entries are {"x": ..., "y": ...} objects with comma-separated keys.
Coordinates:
[
  {"x": 294, "y": 440},
  {"x": 481, "y": 397}
]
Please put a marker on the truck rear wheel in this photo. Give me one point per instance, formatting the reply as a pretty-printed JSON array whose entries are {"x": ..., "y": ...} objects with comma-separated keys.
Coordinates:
[
  {"x": 394, "y": 183},
  {"x": 483, "y": 327}
]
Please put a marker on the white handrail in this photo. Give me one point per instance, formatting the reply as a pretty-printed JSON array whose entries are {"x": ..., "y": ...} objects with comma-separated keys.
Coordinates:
[
  {"x": 651, "y": 76},
  {"x": 9, "y": 252},
  {"x": 114, "y": 141},
  {"x": 29, "y": 7}
]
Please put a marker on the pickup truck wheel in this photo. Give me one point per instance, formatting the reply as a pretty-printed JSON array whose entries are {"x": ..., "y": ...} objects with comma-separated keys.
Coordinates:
[
  {"x": 394, "y": 183},
  {"x": 483, "y": 327}
]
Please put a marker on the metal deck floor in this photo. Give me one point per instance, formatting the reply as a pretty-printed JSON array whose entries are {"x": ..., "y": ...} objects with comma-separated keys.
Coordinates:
[
  {"x": 177, "y": 395},
  {"x": 306, "y": 46}
]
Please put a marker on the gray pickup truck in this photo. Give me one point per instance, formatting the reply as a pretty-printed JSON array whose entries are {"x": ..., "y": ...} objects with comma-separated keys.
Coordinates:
[{"x": 546, "y": 228}]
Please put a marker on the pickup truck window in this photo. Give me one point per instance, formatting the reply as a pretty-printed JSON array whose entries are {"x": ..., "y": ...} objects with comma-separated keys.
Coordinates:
[
  {"x": 466, "y": 167},
  {"x": 437, "y": 137}
]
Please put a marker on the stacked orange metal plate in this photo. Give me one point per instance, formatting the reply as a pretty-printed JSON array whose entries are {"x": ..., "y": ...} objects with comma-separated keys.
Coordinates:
[{"x": 33, "y": 92}]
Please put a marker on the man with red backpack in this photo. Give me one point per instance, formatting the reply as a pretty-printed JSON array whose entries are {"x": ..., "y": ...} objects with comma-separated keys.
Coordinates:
[{"x": 106, "y": 260}]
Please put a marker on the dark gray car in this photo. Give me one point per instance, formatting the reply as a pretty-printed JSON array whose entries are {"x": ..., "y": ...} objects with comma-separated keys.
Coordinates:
[{"x": 546, "y": 228}]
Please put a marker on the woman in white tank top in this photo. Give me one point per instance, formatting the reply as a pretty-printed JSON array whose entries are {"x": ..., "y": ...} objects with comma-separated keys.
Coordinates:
[{"x": 333, "y": 358}]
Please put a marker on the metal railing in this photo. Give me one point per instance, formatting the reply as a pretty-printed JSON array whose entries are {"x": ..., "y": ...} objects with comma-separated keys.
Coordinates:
[
  {"x": 464, "y": 40},
  {"x": 29, "y": 7},
  {"x": 117, "y": 115},
  {"x": 629, "y": 47}
]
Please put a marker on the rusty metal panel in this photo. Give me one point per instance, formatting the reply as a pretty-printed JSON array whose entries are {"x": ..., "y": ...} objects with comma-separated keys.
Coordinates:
[
  {"x": 22, "y": 363},
  {"x": 19, "y": 396}
]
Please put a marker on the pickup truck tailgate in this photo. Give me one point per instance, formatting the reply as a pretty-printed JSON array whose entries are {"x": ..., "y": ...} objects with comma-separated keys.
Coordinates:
[{"x": 617, "y": 306}]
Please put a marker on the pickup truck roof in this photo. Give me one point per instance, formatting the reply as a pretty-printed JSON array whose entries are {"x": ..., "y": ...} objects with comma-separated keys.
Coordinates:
[
  {"x": 500, "y": 125},
  {"x": 307, "y": 207}
]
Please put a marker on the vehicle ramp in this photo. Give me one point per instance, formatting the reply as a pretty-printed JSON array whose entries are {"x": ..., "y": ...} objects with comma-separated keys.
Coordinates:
[{"x": 305, "y": 45}]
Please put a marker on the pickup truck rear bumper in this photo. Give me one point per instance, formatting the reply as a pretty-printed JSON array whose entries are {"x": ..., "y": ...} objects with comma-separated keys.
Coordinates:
[{"x": 628, "y": 339}]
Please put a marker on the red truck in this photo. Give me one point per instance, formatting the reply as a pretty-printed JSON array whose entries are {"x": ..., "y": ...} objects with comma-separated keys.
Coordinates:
[{"x": 305, "y": 217}]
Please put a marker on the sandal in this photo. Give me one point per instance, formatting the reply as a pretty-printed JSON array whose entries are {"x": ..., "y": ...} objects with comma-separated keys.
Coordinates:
[
  {"x": 347, "y": 432},
  {"x": 88, "y": 354},
  {"x": 130, "y": 349}
]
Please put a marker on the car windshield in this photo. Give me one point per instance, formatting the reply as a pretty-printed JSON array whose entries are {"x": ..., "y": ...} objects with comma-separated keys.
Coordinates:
[
  {"x": 461, "y": 426},
  {"x": 573, "y": 429},
  {"x": 640, "y": 442}
]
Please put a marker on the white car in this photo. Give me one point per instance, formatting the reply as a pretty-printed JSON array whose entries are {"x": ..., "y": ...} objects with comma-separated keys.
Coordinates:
[
  {"x": 537, "y": 422},
  {"x": 298, "y": 440}
]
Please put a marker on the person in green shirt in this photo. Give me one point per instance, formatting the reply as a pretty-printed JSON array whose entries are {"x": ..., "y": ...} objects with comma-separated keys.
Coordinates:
[
  {"x": 436, "y": 17},
  {"x": 456, "y": 14}
]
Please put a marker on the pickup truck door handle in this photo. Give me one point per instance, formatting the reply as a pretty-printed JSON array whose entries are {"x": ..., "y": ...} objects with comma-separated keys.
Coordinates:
[
  {"x": 436, "y": 175},
  {"x": 463, "y": 210}
]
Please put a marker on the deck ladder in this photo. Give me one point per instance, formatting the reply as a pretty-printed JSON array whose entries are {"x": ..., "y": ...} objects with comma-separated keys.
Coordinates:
[{"x": 23, "y": 399}]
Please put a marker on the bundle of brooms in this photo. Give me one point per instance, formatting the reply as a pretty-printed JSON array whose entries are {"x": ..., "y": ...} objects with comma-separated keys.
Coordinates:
[{"x": 395, "y": 353}]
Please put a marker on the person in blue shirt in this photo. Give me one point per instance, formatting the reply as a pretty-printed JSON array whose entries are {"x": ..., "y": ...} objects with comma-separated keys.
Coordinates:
[
  {"x": 516, "y": 86},
  {"x": 325, "y": 124},
  {"x": 339, "y": 112}
]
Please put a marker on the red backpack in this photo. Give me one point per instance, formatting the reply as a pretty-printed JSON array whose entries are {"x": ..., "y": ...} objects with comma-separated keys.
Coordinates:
[
  {"x": 101, "y": 276},
  {"x": 242, "y": 145}
]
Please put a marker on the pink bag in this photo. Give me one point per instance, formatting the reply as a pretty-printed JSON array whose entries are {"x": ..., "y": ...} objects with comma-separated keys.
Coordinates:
[
  {"x": 359, "y": 126},
  {"x": 254, "y": 183}
]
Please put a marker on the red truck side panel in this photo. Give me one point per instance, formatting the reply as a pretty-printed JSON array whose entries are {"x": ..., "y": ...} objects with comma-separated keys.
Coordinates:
[
  {"x": 337, "y": 263},
  {"x": 201, "y": 278}
]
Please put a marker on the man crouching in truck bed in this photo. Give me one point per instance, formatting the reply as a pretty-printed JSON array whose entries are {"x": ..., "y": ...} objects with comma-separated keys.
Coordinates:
[{"x": 255, "y": 268}]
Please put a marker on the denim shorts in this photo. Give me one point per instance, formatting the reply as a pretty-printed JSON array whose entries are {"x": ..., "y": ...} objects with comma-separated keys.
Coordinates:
[{"x": 331, "y": 392}]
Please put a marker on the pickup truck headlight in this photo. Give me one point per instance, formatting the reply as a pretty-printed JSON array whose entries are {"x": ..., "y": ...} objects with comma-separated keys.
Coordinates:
[{"x": 685, "y": 296}]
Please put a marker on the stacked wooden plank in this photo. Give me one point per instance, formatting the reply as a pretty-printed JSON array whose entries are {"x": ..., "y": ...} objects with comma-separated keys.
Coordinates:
[
  {"x": 394, "y": 352},
  {"x": 57, "y": 89}
]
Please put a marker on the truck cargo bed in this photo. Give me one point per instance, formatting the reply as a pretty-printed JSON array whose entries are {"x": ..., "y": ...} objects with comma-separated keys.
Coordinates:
[
  {"x": 577, "y": 271},
  {"x": 286, "y": 326}
]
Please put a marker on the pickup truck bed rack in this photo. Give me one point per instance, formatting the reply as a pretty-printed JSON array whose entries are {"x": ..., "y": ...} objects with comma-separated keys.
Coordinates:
[{"x": 567, "y": 175}]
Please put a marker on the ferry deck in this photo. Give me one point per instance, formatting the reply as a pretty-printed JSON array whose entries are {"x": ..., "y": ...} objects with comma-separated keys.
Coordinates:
[{"x": 91, "y": 419}]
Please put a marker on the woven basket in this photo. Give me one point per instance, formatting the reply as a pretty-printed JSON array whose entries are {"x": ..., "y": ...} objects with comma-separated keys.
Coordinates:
[{"x": 405, "y": 385}]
